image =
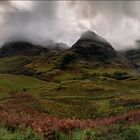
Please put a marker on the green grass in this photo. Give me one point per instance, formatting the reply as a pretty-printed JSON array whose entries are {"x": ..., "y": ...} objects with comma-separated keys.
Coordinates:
[
  {"x": 71, "y": 95},
  {"x": 13, "y": 64},
  {"x": 12, "y": 84},
  {"x": 77, "y": 134},
  {"x": 18, "y": 135},
  {"x": 119, "y": 131},
  {"x": 81, "y": 99},
  {"x": 90, "y": 99},
  {"x": 116, "y": 132},
  {"x": 67, "y": 86}
]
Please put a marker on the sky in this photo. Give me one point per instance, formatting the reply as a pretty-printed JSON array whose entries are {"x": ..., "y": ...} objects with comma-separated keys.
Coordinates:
[{"x": 64, "y": 21}]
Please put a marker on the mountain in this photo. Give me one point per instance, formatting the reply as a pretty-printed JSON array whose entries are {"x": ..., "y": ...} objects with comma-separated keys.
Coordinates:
[
  {"x": 15, "y": 55},
  {"x": 133, "y": 55},
  {"x": 58, "y": 47},
  {"x": 90, "y": 45},
  {"x": 21, "y": 48},
  {"x": 89, "y": 54}
]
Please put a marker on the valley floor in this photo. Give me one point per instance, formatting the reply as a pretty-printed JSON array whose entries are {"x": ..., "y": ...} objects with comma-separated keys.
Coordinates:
[{"x": 71, "y": 110}]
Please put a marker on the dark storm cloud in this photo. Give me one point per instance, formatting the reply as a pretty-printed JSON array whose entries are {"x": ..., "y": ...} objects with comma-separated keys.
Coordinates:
[{"x": 117, "y": 21}]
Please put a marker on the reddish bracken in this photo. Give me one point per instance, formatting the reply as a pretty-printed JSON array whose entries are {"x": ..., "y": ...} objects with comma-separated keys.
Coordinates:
[{"x": 14, "y": 113}]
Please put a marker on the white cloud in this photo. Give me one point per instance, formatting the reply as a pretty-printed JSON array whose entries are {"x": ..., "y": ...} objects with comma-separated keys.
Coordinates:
[{"x": 22, "y": 5}]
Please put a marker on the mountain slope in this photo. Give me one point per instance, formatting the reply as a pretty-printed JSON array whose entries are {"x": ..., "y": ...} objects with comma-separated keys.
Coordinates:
[
  {"x": 90, "y": 81},
  {"x": 14, "y": 56},
  {"x": 134, "y": 56},
  {"x": 89, "y": 55},
  {"x": 92, "y": 46},
  {"x": 21, "y": 48},
  {"x": 13, "y": 64}
]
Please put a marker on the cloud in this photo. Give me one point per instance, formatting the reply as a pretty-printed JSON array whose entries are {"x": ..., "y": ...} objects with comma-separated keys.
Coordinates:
[
  {"x": 22, "y": 5},
  {"x": 29, "y": 19},
  {"x": 117, "y": 21}
]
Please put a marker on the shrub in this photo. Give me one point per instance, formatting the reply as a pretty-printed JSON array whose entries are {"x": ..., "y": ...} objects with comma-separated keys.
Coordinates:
[
  {"x": 24, "y": 89},
  {"x": 60, "y": 136},
  {"x": 65, "y": 60},
  {"x": 87, "y": 134},
  {"x": 119, "y": 75},
  {"x": 77, "y": 134}
]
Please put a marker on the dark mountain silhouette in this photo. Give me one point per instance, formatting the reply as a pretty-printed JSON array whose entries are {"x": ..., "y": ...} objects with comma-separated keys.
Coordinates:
[
  {"x": 90, "y": 45},
  {"x": 133, "y": 55},
  {"x": 21, "y": 48}
]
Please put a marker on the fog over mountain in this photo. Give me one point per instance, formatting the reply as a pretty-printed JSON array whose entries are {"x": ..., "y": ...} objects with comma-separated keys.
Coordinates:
[{"x": 64, "y": 21}]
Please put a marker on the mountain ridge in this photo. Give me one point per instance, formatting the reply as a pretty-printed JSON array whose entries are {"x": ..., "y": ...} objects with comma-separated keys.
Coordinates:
[{"x": 85, "y": 56}]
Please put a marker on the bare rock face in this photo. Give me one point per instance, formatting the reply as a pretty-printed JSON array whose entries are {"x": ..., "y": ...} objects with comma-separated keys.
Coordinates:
[{"x": 91, "y": 45}]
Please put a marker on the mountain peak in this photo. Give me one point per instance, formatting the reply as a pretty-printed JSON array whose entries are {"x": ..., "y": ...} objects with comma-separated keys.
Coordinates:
[
  {"x": 90, "y": 35},
  {"x": 90, "y": 45}
]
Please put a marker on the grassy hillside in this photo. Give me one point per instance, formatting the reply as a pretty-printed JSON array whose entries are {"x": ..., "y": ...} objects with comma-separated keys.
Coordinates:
[
  {"x": 75, "y": 98},
  {"x": 13, "y": 64},
  {"x": 12, "y": 84},
  {"x": 67, "y": 95},
  {"x": 67, "y": 66}
]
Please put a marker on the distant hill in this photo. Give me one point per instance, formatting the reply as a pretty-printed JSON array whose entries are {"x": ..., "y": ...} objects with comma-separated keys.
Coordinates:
[
  {"x": 58, "y": 47},
  {"x": 21, "y": 48},
  {"x": 133, "y": 55}
]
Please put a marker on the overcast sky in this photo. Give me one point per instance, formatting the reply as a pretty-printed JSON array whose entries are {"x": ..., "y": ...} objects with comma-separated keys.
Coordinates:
[{"x": 116, "y": 21}]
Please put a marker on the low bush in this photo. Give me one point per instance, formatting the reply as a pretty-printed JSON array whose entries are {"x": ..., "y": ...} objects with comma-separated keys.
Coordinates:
[
  {"x": 119, "y": 75},
  {"x": 64, "y": 60},
  {"x": 60, "y": 136}
]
